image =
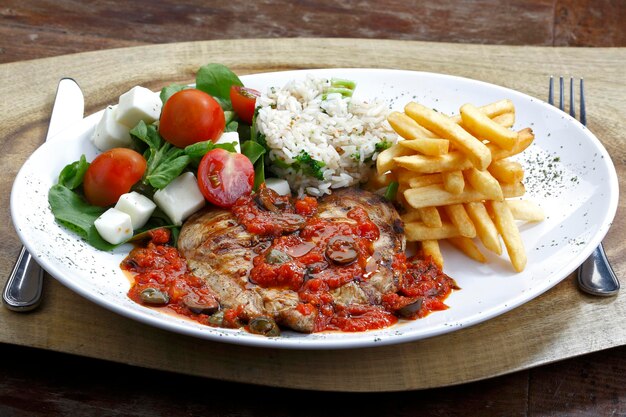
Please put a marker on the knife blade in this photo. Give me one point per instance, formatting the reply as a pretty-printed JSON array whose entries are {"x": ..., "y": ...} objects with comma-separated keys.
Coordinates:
[{"x": 23, "y": 289}]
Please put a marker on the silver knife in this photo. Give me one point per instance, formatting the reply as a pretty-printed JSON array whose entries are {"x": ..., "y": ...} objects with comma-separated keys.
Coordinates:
[{"x": 22, "y": 291}]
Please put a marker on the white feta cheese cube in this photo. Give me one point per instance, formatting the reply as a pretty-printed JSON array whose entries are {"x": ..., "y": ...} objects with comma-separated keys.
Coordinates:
[
  {"x": 137, "y": 104},
  {"x": 279, "y": 185},
  {"x": 109, "y": 133},
  {"x": 114, "y": 226},
  {"x": 229, "y": 137},
  {"x": 181, "y": 198},
  {"x": 137, "y": 206}
]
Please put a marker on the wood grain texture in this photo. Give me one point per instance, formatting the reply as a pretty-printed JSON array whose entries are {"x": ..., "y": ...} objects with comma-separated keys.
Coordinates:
[
  {"x": 559, "y": 324},
  {"x": 589, "y": 22},
  {"x": 41, "y": 28},
  {"x": 51, "y": 384}
]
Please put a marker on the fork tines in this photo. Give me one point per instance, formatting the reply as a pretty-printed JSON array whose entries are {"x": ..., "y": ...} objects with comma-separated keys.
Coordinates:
[{"x": 572, "y": 106}]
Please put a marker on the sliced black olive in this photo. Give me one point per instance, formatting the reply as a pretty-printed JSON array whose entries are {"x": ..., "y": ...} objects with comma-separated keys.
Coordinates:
[
  {"x": 341, "y": 250},
  {"x": 409, "y": 311},
  {"x": 200, "y": 307},
  {"x": 154, "y": 297},
  {"x": 290, "y": 222},
  {"x": 277, "y": 257},
  {"x": 265, "y": 326},
  {"x": 266, "y": 198},
  {"x": 217, "y": 318}
]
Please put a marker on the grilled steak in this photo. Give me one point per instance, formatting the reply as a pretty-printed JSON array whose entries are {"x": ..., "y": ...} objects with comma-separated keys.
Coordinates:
[{"x": 298, "y": 255}]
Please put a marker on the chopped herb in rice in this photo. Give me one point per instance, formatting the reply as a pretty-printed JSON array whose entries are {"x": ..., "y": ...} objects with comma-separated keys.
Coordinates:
[{"x": 320, "y": 137}]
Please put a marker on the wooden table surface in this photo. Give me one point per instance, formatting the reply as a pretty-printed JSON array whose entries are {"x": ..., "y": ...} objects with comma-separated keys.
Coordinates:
[{"x": 49, "y": 383}]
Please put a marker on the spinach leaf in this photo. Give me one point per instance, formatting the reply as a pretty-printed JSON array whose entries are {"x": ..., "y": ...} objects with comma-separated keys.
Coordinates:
[
  {"x": 165, "y": 164},
  {"x": 72, "y": 175},
  {"x": 259, "y": 172},
  {"x": 252, "y": 150},
  {"x": 148, "y": 134},
  {"x": 197, "y": 150},
  {"x": 232, "y": 126},
  {"x": 170, "y": 90},
  {"x": 164, "y": 161},
  {"x": 216, "y": 80},
  {"x": 76, "y": 214}
]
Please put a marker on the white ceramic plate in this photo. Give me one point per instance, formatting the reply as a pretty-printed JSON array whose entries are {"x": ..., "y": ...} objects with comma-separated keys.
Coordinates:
[{"x": 569, "y": 173}]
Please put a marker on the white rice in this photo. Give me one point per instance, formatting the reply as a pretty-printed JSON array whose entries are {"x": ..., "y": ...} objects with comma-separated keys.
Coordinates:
[{"x": 341, "y": 132}]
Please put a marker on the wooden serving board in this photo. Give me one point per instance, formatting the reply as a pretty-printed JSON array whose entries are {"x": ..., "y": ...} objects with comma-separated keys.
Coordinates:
[{"x": 561, "y": 323}]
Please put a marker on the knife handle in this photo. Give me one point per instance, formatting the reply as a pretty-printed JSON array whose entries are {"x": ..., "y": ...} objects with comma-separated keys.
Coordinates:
[
  {"x": 22, "y": 291},
  {"x": 595, "y": 275}
]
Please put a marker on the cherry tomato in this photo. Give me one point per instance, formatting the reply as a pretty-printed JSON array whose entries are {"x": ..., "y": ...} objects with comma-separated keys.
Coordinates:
[
  {"x": 112, "y": 174},
  {"x": 191, "y": 116},
  {"x": 244, "y": 100},
  {"x": 225, "y": 176}
]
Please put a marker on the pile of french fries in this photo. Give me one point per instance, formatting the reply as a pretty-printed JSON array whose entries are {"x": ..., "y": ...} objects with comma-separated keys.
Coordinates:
[{"x": 456, "y": 180}]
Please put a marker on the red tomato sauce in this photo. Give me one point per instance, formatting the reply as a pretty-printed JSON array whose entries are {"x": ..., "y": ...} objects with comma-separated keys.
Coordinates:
[
  {"x": 310, "y": 255},
  {"x": 160, "y": 267}
]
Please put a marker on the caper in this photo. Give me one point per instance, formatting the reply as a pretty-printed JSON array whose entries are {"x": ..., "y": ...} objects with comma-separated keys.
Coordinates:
[
  {"x": 277, "y": 257},
  {"x": 200, "y": 307},
  {"x": 217, "y": 318},
  {"x": 154, "y": 296},
  {"x": 264, "y": 326}
]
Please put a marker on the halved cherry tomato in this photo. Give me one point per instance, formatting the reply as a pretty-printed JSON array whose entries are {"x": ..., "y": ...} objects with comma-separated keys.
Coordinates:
[
  {"x": 244, "y": 100},
  {"x": 225, "y": 176},
  {"x": 112, "y": 174},
  {"x": 191, "y": 116}
]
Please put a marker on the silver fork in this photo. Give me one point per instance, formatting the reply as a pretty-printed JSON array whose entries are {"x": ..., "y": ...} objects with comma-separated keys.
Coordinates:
[{"x": 595, "y": 275}]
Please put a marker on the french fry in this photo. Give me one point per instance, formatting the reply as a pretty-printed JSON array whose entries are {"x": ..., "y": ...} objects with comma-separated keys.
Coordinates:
[
  {"x": 403, "y": 176},
  {"x": 423, "y": 164},
  {"x": 458, "y": 193},
  {"x": 431, "y": 248},
  {"x": 427, "y": 146},
  {"x": 468, "y": 247},
  {"x": 505, "y": 223},
  {"x": 384, "y": 161},
  {"x": 507, "y": 171},
  {"x": 436, "y": 195},
  {"x": 418, "y": 231},
  {"x": 492, "y": 110},
  {"x": 485, "y": 229},
  {"x": 524, "y": 138},
  {"x": 485, "y": 183},
  {"x": 513, "y": 190},
  {"x": 525, "y": 210},
  {"x": 459, "y": 217},
  {"x": 430, "y": 216},
  {"x": 441, "y": 125},
  {"x": 412, "y": 215},
  {"x": 426, "y": 179},
  {"x": 407, "y": 127},
  {"x": 483, "y": 127},
  {"x": 505, "y": 119},
  {"x": 453, "y": 181}
]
